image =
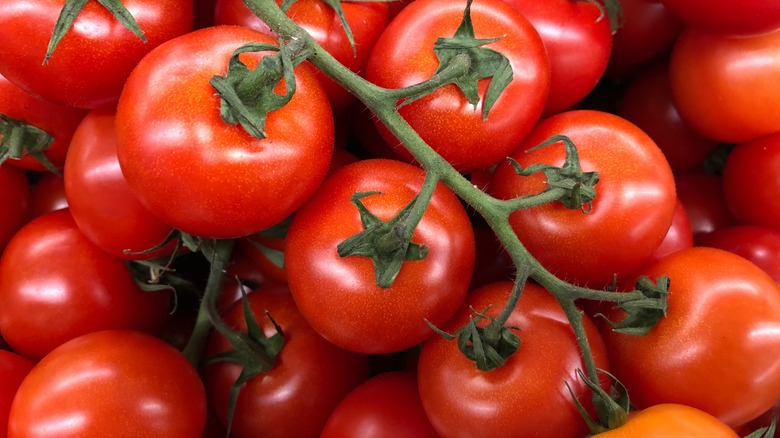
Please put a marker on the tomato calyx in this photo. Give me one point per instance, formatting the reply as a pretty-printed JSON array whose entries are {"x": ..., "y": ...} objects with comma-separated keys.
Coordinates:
[
  {"x": 612, "y": 10},
  {"x": 644, "y": 313},
  {"x": 765, "y": 432},
  {"x": 247, "y": 96},
  {"x": 612, "y": 407},
  {"x": 18, "y": 139},
  {"x": 71, "y": 10}
]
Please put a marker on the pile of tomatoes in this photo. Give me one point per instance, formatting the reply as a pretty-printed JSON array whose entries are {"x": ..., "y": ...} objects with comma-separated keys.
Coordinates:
[{"x": 130, "y": 185}]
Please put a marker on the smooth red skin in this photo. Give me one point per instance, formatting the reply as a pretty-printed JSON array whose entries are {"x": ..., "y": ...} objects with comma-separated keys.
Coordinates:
[
  {"x": 213, "y": 179},
  {"x": 386, "y": 405},
  {"x": 15, "y": 199},
  {"x": 93, "y": 60},
  {"x": 59, "y": 121},
  {"x": 367, "y": 20},
  {"x": 100, "y": 200},
  {"x": 702, "y": 196},
  {"x": 47, "y": 195},
  {"x": 527, "y": 396},
  {"x": 648, "y": 30},
  {"x": 272, "y": 271},
  {"x": 648, "y": 103},
  {"x": 578, "y": 46},
  {"x": 14, "y": 369},
  {"x": 717, "y": 80},
  {"x": 760, "y": 245},
  {"x": 679, "y": 236},
  {"x": 298, "y": 394},
  {"x": 718, "y": 347},
  {"x": 633, "y": 209},
  {"x": 670, "y": 420},
  {"x": 750, "y": 182},
  {"x": 116, "y": 383},
  {"x": 404, "y": 56},
  {"x": 726, "y": 16},
  {"x": 339, "y": 296},
  {"x": 56, "y": 285}
]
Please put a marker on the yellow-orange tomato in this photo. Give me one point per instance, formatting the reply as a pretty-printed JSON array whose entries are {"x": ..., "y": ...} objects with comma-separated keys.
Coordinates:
[{"x": 671, "y": 420}]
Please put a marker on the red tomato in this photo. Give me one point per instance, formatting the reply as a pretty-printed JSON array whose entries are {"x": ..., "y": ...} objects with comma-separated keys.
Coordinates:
[
  {"x": 632, "y": 211},
  {"x": 717, "y": 349},
  {"x": 267, "y": 254},
  {"x": 47, "y": 195},
  {"x": 58, "y": 121},
  {"x": 211, "y": 178},
  {"x": 339, "y": 295},
  {"x": 578, "y": 40},
  {"x": 452, "y": 126},
  {"x": 716, "y": 79},
  {"x": 387, "y": 404},
  {"x": 56, "y": 285},
  {"x": 670, "y": 420},
  {"x": 527, "y": 396},
  {"x": 111, "y": 383},
  {"x": 298, "y": 394},
  {"x": 93, "y": 60},
  {"x": 679, "y": 236},
  {"x": 751, "y": 183},
  {"x": 14, "y": 369},
  {"x": 15, "y": 199},
  {"x": 726, "y": 16},
  {"x": 702, "y": 196},
  {"x": 366, "y": 20},
  {"x": 760, "y": 245}
]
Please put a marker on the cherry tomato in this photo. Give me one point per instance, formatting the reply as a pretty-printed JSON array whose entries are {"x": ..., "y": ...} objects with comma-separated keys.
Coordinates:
[
  {"x": 15, "y": 199},
  {"x": 670, "y": 420},
  {"x": 14, "y": 369}
]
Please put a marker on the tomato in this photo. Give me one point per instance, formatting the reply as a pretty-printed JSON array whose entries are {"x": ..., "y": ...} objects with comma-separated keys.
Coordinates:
[
  {"x": 725, "y": 16},
  {"x": 267, "y": 254},
  {"x": 632, "y": 210},
  {"x": 14, "y": 369},
  {"x": 647, "y": 102},
  {"x": 298, "y": 394},
  {"x": 94, "y": 58},
  {"x": 58, "y": 121},
  {"x": 15, "y": 199},
  {"x": 366, "y": 21},
  {"x": 56, "y": 285},
  {"x": 578, "y": 40},
  {"x": 670, "y": 420},
  {"x": 115, "y": 383},
  {"x": 679, "y": 236},
  {"x": 445, "y": 119},
  {"x": 718, "y": 347},
  {"x": 211, "y": 178},
  {"x": 750, "y": 181},
  {"x": 339, "y": 296},
  {"x": 760, "y": 245},
  {"x": 715, "y": 80},
  {"x": 47, "y": 195},
  {"x": 702, "y": 196},
  {"x": 388, "y": 402},
  {"x": 525, "y": 397}
]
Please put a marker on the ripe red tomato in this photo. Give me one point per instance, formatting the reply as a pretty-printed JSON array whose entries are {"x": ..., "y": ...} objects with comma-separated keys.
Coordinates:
[
  {"x": 670, "y": 420},
  {"x": 726, "y": 16},
  {"x": 298, "y": 394},
  {"x": 716, "y": 78},
  {"x": 15, "y": 199},
  {"x": 339, "y": 295},
  {"x": 702, "y": 196},
  {"x": 14, "y": 369},
  {"x": 760, "y": 245},
  {"x": 527, "y": 396},
  {"x": 56, "y": 285},
  {"x": 101, "y": 202},
  {"x": 717, "y": 349},
  {"x": 445, "y": 119},
  {"x": 679, "y": 236},
  {"x": 94, "y": 58},
  {"x": 632, "y": 211},
  {"x": 388, "y": 402},
  {"x": 111, "y": 383},
  {"x": 197, "y": 172}
]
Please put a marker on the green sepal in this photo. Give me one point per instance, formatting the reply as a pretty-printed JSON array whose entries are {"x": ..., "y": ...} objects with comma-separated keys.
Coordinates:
[
  {"x": 274, "y": 255},
  {"x": 765, "y": 432},
  {"x": 643, "y": 314},
  {"x": 339, "y": 10},
  {"x": 20, "y": 139},
  {"x": 612, "y": 10},
  {"x": 612, "y": 407}
]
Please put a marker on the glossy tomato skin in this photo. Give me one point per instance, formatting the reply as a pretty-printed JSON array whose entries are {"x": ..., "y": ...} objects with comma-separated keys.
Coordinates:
[
  {"x": 59, "y": 121},
  {"x": 679, "y": 236},
  {"x": 93, "y": 60},
  {"x": 386, "y": 405},
  {"x": 527, "y": 396},
  {"x": 213, "y": 179},
  {"x": 727, "y": 17},
  {"x": 14, "y": 369},
  {"x": 367, "y": 20},
  {"x": 578, "y": 41},
  {"x": 339, "y": 295},
  {"x": 117, "y": 383},
  {"x": 632, "y": 211},
  {"x": 670, "y": 420},
  {"x": 760, "y": 245},
  {"x": 404, "y": 56},
  {"x": 101, "y": 202},
  {"x": 750, "y": 182},
  {"x": 718, "y": 347},
  {"x": 15, "y": 199},
  {"x": 51, "y": 273},
  {"x": 298, "y": 394},
  {"x": 715, "y": 80}
]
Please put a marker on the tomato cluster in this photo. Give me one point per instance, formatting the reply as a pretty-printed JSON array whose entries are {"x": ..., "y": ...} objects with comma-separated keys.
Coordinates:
[{"x": 418, "y": 218}]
